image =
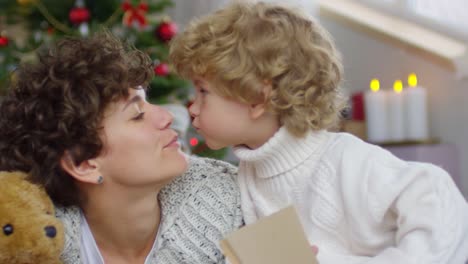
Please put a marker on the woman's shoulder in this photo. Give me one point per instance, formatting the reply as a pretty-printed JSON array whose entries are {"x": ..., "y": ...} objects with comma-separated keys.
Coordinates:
[
  {"x": 199, "y": 209},
  {"x": 203, "y": 174},
  {"x": 199, "y": 166},
  {"x": 70, "y": 217},
  {"x": 207, "y": 183}
]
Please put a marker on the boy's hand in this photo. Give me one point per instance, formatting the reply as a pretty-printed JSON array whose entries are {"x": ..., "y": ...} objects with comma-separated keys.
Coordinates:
[{"x": 314, "y": 250}]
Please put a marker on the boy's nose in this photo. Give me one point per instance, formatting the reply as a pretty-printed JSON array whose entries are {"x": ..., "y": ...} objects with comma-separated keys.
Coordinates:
[{"x": 193, "y": 109}]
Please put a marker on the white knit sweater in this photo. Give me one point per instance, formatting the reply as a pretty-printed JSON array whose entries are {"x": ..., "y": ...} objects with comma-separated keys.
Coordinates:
[
  {"x": 198, "y": 210},
  {"x": 357, "y": 202}
]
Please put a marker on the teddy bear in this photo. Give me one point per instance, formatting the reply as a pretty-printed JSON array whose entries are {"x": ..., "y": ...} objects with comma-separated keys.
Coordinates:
[{"x": 30, "y": 232}]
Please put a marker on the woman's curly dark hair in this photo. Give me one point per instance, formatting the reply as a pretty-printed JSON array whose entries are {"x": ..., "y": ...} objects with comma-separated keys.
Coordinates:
[{"x": 56, "y": 105}]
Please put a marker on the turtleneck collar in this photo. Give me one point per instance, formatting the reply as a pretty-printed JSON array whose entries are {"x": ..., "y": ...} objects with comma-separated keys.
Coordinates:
[{"x": 282, "y": 152}]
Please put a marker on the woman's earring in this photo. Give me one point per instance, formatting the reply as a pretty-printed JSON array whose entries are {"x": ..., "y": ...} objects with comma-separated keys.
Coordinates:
[{"x": 100, "y": 179}]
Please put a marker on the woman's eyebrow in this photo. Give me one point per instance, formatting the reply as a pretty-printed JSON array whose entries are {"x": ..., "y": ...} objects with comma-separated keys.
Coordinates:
[{"x": 135, "y": 99}]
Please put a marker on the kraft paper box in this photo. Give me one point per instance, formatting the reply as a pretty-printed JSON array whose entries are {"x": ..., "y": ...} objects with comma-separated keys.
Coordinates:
[{"x": 276, "y": 239}]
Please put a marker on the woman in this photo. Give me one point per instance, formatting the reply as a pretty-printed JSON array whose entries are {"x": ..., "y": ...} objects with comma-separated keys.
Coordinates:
[{"x": 79, "y": 123}]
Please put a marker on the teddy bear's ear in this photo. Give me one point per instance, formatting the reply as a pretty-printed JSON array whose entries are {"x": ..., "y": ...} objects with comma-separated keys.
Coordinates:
[
  {"x": 19, "y": 175},
  {"x": 18, "y": 182}
]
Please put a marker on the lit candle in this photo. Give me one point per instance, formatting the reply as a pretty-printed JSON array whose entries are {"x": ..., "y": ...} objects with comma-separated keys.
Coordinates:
[
  {"x": 416, "y": 110},
  {"x": 376, "y": 113},
  {"x": 395, "y": 112}
]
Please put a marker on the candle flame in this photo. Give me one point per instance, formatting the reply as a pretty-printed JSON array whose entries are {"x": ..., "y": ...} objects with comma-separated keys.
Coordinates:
[
  {"x": 398, "y": 86},
  {"x": 412, "y": 80},
  {"x": 375, "y": 85}
]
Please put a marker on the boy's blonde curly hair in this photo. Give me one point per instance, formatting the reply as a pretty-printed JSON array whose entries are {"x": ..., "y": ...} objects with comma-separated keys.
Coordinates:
[{"x": 245, "y": 45}]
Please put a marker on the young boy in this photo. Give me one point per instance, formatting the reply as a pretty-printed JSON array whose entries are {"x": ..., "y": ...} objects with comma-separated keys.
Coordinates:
[{"x": 267, "y": 82}]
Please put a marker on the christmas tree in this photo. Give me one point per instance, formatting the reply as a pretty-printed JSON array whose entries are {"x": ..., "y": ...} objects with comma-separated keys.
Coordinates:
[
  {"x": 134, "y": 21},
  {"x": 141, "y": 23}
]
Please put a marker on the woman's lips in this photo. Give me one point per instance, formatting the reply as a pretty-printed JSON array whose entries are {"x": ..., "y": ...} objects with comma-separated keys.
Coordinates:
[{"x": 172, "y": 143}]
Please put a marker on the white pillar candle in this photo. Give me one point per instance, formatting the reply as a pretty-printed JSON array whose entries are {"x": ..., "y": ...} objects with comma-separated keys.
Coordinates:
[
  {"x": 416, "y": 110},
  {"x": 376, "y": 113},
  {"x": 396, "y": 118}
]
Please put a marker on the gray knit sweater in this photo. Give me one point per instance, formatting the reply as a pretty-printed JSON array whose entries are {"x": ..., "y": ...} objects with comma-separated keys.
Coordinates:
[{"x": 198, "y": 209}]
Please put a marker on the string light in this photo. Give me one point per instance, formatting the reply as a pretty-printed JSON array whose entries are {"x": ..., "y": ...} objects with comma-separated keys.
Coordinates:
[{"x": 193, "y": 142}]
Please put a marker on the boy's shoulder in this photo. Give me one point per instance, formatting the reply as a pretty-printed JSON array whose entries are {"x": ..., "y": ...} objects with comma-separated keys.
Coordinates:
[{"x": 348, "y": 144}]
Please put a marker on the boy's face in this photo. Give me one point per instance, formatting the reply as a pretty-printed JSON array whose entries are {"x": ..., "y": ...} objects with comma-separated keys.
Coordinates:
[{"x": 221, "y": 121}]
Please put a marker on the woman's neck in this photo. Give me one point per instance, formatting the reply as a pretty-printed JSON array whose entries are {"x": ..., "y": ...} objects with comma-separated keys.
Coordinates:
[{"x": 124, "y": 226}]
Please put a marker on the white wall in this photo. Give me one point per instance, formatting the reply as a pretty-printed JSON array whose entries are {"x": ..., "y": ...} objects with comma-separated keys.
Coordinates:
[{"x": 185, "y": 10}]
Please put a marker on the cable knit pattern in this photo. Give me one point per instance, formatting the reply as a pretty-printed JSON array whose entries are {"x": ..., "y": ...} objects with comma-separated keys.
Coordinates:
[
  {"x": 357, "y": 202},
  {"x": 198, "y": 209}
]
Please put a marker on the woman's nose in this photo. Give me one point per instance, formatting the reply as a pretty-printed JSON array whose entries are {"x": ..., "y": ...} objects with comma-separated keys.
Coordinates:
[{"x": 164, "y": 117}]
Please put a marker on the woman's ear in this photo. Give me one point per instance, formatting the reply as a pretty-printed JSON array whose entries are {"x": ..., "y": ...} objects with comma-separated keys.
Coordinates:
[
  {"x": 259, "y": 108},
  {"x": 86, "y": 171}
]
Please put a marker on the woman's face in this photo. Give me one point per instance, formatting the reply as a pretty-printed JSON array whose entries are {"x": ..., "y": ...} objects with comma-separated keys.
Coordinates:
[{"x": 139, "y": 149}]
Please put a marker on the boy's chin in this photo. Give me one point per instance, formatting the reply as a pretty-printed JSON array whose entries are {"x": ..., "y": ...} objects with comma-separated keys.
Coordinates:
[{"x": 214, "y": 146}]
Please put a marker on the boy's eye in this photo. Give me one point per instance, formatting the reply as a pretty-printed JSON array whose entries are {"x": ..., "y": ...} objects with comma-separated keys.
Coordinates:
[
  {"x": 202, "y": 90},
  {"x": 139, "y": 116}
]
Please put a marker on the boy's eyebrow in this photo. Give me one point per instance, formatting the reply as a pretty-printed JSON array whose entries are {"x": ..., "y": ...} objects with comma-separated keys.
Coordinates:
[
  {"x": 135, "y": 99},
  {"x": 198, "y": 82}
]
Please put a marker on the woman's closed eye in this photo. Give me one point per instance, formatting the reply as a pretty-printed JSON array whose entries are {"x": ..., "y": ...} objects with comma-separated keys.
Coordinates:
[{"x": 140, "y": 116}]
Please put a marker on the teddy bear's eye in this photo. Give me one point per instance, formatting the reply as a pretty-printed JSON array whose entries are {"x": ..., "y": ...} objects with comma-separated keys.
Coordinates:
[
  {"x": 50, "y": 231},
  {"x": 8, "y": 229}
]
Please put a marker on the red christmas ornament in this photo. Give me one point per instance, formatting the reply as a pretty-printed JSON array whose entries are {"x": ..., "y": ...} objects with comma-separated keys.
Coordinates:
[
  {"x": 50, "y": 30},
  {"x": 79, "y": 15},
  {"x": 143, "y": 7},
  {"x": 166, "y": 31},
  {"x": 126, "y": 6},
  {"x": 4, "y": 41},
  {"x": 134, "y": 14},
  {"x": 162, "y": 69}
]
